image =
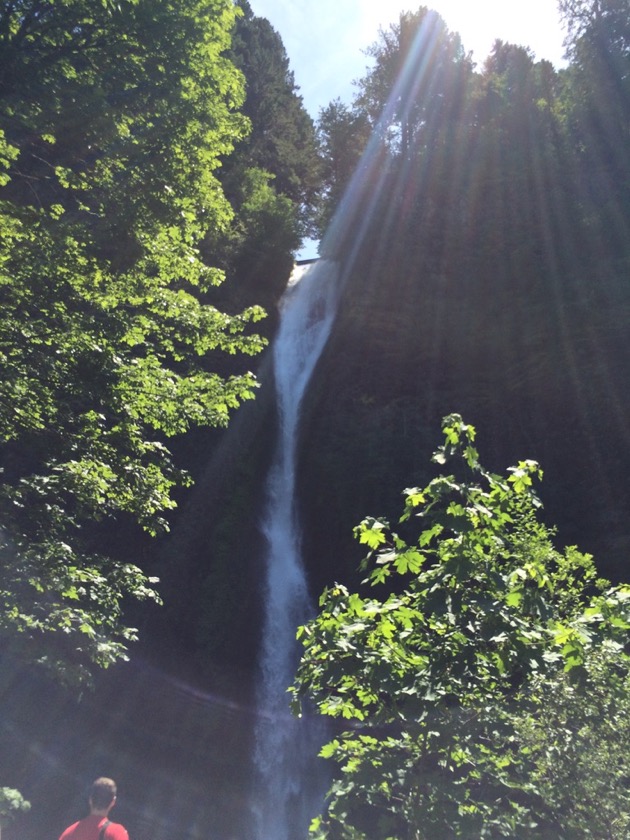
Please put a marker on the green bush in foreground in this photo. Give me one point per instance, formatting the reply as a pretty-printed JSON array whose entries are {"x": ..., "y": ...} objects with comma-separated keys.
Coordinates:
[
  {"x": 11, "y": 803},
  {"x": 485, "y": 691}
]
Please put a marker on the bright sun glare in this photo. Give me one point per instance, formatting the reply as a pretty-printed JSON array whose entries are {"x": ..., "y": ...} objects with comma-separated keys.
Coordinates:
[
  {"x": 530, "y": 23},
  {"x": 326, "y": 49}
]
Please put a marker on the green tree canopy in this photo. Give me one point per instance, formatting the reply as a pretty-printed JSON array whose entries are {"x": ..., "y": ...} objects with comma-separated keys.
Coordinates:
[
  {"x": 437, "y": 676},
  {"x": 282, "y": 140},
  {"x": 417, "y": 81},
  {"x": 598, "y": 104},
  {"x": 343, "y": 134},
  {"x": 271, "y": 179},
  {"x": 114, "y": 117}
]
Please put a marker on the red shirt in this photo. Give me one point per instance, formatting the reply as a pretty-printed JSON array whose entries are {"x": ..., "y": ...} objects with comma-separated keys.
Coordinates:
[{"x": 88, "y": 829}]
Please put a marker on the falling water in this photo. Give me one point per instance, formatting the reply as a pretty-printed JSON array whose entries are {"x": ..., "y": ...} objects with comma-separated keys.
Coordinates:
[{"x": 287, "y": 794}]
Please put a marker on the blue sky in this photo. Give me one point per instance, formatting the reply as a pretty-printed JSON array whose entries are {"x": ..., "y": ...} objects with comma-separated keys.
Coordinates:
[{"x": 325, "y": 39}]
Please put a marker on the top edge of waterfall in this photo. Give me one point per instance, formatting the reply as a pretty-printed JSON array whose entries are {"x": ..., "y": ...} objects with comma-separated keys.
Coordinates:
[{"x": 302, "y": 267}]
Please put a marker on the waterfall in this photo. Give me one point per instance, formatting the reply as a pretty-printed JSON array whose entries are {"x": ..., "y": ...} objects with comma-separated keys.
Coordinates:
[{"x": 287, "y": 794}]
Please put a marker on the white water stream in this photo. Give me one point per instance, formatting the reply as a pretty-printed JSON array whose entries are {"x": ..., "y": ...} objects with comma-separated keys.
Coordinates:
[{"x": 287, "y": 791}]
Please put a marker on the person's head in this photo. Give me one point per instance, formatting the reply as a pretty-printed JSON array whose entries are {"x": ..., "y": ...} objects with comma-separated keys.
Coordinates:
[{"x": 102, "y": 794}]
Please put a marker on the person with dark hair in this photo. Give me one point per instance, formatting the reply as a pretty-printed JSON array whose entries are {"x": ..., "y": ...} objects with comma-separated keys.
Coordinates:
[{"x": 97, "y": 825}]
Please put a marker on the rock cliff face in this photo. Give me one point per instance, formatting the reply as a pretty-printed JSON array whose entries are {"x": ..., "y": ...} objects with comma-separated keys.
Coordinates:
[
  {"x": 528, "y": 343},
  {"x": 535, "y": 357}
]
